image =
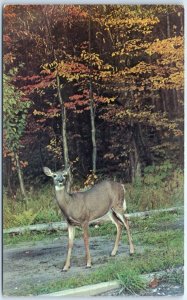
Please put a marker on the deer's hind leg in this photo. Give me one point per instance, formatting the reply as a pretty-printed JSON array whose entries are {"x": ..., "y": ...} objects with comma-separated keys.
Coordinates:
[
  {"x": 126, "y": 223},
  {"x": 118, "y": 234},
  {"x": 86, "y": 243},
  {"x": 124, "y": 220}
]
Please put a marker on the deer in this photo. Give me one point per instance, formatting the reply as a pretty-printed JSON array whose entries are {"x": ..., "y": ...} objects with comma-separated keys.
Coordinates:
[{"x": 80, "y": 208}]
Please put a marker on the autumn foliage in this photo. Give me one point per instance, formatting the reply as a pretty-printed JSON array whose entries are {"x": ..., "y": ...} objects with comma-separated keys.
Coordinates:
[{"x": 128, "y": 59}]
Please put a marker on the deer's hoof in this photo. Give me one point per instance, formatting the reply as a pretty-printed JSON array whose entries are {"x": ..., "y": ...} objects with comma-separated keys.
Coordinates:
[
  {"x": 131, "y": 254},
  {"x": 65, "y": 269},
  {"x": 88, "y": 267}
]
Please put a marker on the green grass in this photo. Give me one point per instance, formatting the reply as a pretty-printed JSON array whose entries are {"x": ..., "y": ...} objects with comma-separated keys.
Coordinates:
[
  {"x": 150, "y": 192},
  {"x": 131, "y": 282},
  {"x": 149, "y": 261},
  {"x": 41, "y": 207},
  {"x": 163, "y": 249},
  {"x": 148, "y": 226},
  {"x": 29, "y": 237},
  {"x": 163, "y": 238},
  {"x": 159, "y": 188},
  {"x": 162, "y": 242}
]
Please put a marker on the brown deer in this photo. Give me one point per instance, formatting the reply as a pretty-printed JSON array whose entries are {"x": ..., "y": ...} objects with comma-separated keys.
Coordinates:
[{"x": 80, "y": 208}]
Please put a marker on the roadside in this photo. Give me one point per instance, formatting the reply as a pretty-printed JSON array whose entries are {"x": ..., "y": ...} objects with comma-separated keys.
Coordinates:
[
  {"x": 36, "y": 269},
  {"x": 163, "y": 289},
  {"x": 167, "y": 283}
]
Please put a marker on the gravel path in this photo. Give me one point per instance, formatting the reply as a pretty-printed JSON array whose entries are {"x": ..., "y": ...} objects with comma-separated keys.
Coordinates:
[{"x": 26, "y": 265}]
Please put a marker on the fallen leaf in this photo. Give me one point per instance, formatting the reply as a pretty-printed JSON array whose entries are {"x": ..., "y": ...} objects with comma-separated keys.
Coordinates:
[{"x": 153, "y": 283}]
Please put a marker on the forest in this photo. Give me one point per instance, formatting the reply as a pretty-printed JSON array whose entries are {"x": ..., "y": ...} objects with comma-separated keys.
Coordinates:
[{"x": 97, "y": 88}]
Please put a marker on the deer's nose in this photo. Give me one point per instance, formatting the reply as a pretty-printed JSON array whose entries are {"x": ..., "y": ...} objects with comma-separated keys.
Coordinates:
[{"x": 61, "y": 179}]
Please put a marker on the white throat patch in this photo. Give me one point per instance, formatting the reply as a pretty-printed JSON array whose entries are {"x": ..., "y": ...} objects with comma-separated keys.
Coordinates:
[{"x": 59, "y": 188}]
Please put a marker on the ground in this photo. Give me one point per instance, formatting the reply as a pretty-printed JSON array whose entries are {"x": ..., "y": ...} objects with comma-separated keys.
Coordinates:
[
  {"x": 163, "y": 289},
  {"x": 29, "y": 264}
]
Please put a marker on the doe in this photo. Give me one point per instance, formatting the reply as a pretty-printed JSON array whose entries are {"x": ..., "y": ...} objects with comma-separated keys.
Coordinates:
[{"x": 80, "y": 208}]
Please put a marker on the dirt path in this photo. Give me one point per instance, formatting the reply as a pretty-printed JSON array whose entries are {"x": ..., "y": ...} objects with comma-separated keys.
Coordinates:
[{"x": 27, "y": 265}]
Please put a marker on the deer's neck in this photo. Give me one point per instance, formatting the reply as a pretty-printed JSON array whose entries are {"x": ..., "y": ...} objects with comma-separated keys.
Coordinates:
[{"x": 62, "y": 197}]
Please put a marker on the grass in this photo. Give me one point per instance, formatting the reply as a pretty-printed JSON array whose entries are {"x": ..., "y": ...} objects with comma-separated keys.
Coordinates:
[
  {"x": 150, "y": 261},
  {"x": 149, "y": 192},
  {"x": 163, "y": 238},
  {"x": 163, "y": 249},
  {"x": 148, "y": 226},
  {"x": 162, "y": 242},
  {"x": 131, "y": 282},
  {"x": 41, "y": 208},
  {"x": 30, "y": 237}
]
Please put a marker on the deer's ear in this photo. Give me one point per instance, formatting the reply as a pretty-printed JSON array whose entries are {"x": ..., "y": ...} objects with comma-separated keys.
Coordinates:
[{"x": 47, "y": 171}]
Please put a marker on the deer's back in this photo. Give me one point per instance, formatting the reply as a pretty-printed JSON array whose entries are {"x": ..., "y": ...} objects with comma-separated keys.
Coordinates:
[{"x": 97, "y": 201}]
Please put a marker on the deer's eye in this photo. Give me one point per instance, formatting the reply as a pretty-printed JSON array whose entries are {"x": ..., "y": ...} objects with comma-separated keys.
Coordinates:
[{"x": 55, "y": 176}]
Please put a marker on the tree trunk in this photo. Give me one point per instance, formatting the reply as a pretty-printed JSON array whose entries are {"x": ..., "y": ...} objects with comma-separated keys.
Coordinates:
[
  {"x": 93, "y": 131},
  {"x": 168, "y": 26},
  {"x": 64, "y": 134},
  {"x": 144, "y": 146},
  {"x": 135, "y": 162},
  {"x": 7, "y": 173},
  {"x": 63, "y": 109},
  {"x": 182, "y": 23},
  {"x": 92, "y": 110},
  {"x": 63, "y": 118},
  {"x": 20, "y": 176}
]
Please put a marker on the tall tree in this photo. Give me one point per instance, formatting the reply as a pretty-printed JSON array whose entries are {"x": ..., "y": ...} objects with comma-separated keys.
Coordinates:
[
  {"x": 92, "y": 105},
  {"x": 136, "y": 78},
  {"x": 15, "y": 109}
]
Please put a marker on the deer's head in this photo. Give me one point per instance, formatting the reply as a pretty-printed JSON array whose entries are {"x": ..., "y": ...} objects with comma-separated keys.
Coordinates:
[{"x": 59, "y": 177}]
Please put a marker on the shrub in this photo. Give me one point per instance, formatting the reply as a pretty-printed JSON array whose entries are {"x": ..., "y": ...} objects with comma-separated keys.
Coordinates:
[
  {"x": 45, "y": 216},
  {"x": 25, "y": 218},
  {"x": 161, "y": 186}
]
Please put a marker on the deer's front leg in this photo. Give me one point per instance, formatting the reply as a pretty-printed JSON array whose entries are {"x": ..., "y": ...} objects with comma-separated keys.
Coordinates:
[
  {"x": 86, "y": 243},
  {"x": 71, "y": 235}
]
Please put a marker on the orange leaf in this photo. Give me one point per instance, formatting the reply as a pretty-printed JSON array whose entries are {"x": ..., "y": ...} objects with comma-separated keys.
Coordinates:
[{"x": 154, "y": 283}]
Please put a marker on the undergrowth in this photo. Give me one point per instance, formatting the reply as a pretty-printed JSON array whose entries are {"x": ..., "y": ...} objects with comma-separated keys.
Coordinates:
[
  {"x": 160, "y": 187},
  {"x": 40, "y": 208}
]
